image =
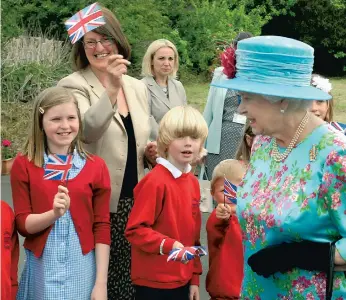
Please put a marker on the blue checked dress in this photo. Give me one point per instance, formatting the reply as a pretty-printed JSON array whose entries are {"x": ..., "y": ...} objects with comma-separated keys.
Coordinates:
[{"x": 62, "y": 272}]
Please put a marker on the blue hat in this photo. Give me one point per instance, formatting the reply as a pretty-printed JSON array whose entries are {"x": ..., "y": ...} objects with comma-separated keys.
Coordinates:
[{"x": 274, "y": 66}]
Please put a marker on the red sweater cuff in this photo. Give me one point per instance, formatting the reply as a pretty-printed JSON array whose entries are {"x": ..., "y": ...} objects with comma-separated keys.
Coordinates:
[
  {"x": 167, "y": 246},
  {"x": 194, "y": 280}
]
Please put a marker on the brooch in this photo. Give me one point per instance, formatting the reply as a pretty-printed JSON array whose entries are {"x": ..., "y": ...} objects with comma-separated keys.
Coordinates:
[{"x": 313, "y": 153}]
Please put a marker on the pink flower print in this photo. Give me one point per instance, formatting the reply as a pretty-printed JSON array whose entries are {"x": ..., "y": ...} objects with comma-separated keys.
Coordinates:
[
  {"x": 338, "y": 185},
  {"x": 301, "y": 284},
  {"x": 332, "y": 158},
  {"x": 336, "y": 202},
  {"x": 270, "y": 221},
  {"x": 327, "y": 177},
  {"x": 245, "y": 195},
  {"x": 284, "y": 168},
  {"x": 337, "y": 283},
  {"x": 260, "y": 175},
  {"x": 310, "y": 296},
  {"x": 305, "y": 203},
  {"x": 294, "y": 198},
  {"x": 295, "y": 187},
  {"x": 302, "y": 183}
]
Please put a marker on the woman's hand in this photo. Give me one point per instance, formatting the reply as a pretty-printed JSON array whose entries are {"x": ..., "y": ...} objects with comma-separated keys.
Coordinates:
[
  {"x": 194, "y": 292},
  {"x": 61, "y": 202},
  {"x": 224, "y": 211},
  {"x": 200, "y": 159},
  {"x": 99, "y": 291},
  {"x": 150, "y": 152},
  {"x": 117, "y": 66}
]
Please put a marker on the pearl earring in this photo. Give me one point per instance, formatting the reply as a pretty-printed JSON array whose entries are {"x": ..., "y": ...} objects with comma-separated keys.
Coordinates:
[{"x": 282, "y": 111}]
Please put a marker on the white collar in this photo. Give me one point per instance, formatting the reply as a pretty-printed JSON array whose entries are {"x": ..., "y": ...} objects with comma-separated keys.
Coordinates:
[{"x": 172, "y": 168}]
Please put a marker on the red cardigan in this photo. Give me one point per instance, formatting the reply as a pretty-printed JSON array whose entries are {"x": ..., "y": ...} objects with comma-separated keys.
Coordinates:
[
  {"x": 9, "y": 253},
  {"x": 90, "y": 198},
  {"x": 226, "y": 258},
  {"x": 167, "y": 209}
]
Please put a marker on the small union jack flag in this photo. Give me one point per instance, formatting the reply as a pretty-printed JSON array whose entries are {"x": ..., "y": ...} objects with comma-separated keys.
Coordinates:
[
  {"x": 230, "y": 191},
  {"x": 57, "y": 167},
  {"x": 339, "y": 127},
  {"x": 84, "y": 21},
  {"x": 186, "y": 254}
]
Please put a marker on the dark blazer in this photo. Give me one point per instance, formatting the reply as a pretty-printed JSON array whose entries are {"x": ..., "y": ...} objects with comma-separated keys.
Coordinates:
[{"x": 159, "y": 104}]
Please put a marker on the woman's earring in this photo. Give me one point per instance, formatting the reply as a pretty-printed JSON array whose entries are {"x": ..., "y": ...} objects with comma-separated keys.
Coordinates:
[{"x": 282, "y": 111}]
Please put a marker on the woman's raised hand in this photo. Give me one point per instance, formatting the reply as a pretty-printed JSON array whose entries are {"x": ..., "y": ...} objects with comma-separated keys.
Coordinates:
[
  {"x": 117, "y": 66},
  {"x": 61, "y": 201}
]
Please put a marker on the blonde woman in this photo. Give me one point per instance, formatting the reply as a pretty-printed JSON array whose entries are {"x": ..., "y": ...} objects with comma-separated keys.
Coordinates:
[{"x": 159, "y": 68}]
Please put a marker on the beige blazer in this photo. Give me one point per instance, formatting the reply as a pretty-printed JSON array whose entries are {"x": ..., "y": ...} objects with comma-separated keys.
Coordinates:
[
  {"x": 159, "y": 104},
  {"x": 104, "y": 130}
]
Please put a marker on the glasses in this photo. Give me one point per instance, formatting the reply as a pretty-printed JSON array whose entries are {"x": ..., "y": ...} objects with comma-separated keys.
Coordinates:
[{"x": 93, "y": 44}]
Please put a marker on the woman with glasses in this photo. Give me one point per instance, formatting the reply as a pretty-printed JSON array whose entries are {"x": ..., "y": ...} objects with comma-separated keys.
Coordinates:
[
  {"x": 225, "y": 124},
  {"x": 114, "y": 108}
]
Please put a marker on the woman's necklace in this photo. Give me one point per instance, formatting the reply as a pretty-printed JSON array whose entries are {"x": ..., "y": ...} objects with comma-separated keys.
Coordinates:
[{"x": 282, "y": 156}]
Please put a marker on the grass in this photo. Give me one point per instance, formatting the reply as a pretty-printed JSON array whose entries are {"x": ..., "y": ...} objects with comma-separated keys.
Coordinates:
[
  {"x": 15, "y": 117},
  {"x": 197, "y": 96}
]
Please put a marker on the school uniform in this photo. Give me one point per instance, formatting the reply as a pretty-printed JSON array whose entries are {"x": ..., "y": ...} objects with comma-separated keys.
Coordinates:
[
  {"x": 226, "y": 259},
  {"x": 166, "y": 210},
  {"x": 9, "y": 253},
  {"x": 60, "y": 260}
]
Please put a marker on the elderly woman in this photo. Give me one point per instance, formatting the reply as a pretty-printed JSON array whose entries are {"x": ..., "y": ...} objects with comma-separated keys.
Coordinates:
[
  {"x": 115, "y": 114},
  {"x": 159, "y": 67},
  {"x": 292, "y": 201},
  {"x": 325, "y": 109}
]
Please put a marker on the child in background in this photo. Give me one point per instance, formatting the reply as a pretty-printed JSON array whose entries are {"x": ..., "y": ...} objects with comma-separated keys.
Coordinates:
[
  {"x": 226, "y": 259},
  {"x": 166, "y": 212},
  {"x": 9, "y": 253},
  {"x": 244, "y": 150},
  {"x": 66, "y": 227}
]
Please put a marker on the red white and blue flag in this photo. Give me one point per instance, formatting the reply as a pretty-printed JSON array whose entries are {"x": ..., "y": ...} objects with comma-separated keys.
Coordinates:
[
  {"x": 84, "y": 21},
  {"x": 339, "y": 126},
  {"x": 186, "y": 254},
  {"x": 57, "y": 167},
  {"x": 230, "y": 191}
]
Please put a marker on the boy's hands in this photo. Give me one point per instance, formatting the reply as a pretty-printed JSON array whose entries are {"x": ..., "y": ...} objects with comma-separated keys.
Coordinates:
[
  {"x": 194, "y": 292},
  {"x": 224, "y": 211},
  {"x": 177, "y": 245},
  {"x": 61, "y": 202}
]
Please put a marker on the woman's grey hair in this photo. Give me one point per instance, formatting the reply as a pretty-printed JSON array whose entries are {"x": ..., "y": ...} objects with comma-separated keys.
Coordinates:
[{"x": 293, "y": 104}]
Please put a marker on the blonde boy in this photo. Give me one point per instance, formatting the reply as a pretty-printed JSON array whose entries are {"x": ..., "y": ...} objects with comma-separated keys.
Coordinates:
[
  {"x": 166, "y": 212},
  {"x": 224, "y": 236}
]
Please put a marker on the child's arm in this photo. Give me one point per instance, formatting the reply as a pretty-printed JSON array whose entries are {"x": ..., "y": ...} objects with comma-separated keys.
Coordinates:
[
  {"x": 101, "y": 204},
  {"x": 35, "y": 223},
  {"x": 102, "y": 258},
  {"x": 148, "y": 204},
  {"x": 197, "y": 270},
  {"x": 14, "y": 261}
]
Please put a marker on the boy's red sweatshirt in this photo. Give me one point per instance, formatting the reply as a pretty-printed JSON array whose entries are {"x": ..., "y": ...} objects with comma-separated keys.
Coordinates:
[
  {"x": 226, "y": 258},
  {"x": 166, "y": 209},
  {"x": 9, "y": 253}
]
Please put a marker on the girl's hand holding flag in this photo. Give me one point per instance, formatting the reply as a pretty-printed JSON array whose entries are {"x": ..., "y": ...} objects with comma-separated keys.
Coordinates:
[{"x": 61, "y": 201}]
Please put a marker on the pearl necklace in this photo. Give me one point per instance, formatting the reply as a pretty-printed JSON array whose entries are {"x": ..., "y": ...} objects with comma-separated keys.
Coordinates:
[{"x": 282, "y": 156}]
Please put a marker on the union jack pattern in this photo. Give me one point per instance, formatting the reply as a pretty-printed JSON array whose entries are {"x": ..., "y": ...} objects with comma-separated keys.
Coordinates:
[
  {"x": 339, "y": 127},
  {"x": 57, "y": 167},
  {"x": 186, "y": 254},
  {"x": 230, "y": 191},
  {"x": 84, "y": 21}
]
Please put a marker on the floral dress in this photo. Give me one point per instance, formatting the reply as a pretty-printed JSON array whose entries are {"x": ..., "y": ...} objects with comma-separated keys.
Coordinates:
[{"x": 302, "y": 197}]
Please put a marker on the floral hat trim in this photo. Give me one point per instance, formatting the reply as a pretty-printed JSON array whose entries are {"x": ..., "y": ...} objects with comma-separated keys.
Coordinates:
[
  {"x": 321, "y": 83},
  {"x": 228, "y": 61}
]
